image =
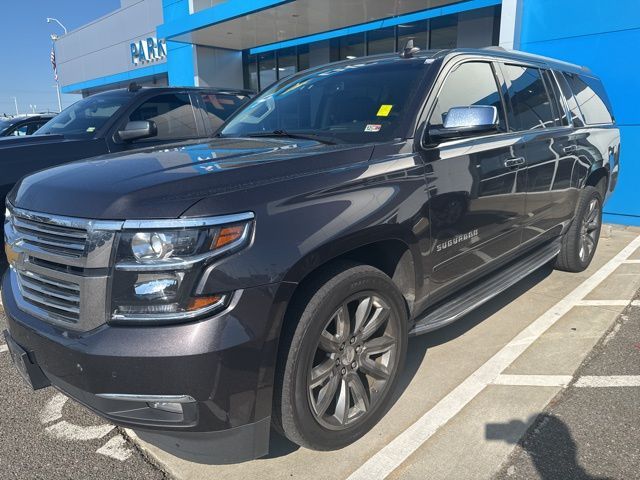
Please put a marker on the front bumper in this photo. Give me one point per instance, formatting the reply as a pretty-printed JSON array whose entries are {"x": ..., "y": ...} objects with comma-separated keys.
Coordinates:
[{"x": 225, "y": 363}]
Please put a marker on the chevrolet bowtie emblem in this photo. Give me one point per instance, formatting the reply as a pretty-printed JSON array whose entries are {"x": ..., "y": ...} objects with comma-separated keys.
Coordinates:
[{"x": 12, "y": 255}]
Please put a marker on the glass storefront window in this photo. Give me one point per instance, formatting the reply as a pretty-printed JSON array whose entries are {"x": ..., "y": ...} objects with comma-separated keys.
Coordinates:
[
  {"x": 381, "y": 41},
  {"x": 303, "y": 57},
  {"x": 417, "y": 31},
  {"x": 444, "y": 32},
  {"x": 250, "y": 72},
  {"x": 436, "y": 33},
  {"x": 267, "y": 67},
  {"x": 287, "y": 62},
  {"x": 351, "y": 46}
]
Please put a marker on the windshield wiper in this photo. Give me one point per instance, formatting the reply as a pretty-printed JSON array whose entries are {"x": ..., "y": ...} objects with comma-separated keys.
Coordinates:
[{"x": 302, "y": 136}]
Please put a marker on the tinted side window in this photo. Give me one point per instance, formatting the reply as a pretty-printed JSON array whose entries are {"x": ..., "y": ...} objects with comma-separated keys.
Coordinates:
[
  {"x": 559, "y": 111},
  {"x": 33, "y": 127},
  {"x": 472, "y": 83},
  {"x": 219, "y": 107},
  {"x": 172, "y": 114},
  {"x": 529, "y": 98},
  {"x": 576, "y": 115},
  {"x": 591, "y": 99},
  {"x": 20, "y": 131}
]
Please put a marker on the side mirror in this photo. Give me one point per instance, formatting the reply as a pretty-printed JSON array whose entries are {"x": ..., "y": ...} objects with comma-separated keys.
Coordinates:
[
  {"x": 462, "y": 121},
  {"x": 137, "y": 130}
]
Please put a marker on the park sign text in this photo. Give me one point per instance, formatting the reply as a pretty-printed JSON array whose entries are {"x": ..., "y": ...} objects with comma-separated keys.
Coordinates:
[{"x": 148, "y": 50}]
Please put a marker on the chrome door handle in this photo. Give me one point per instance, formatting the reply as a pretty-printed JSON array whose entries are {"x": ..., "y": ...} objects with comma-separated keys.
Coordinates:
[
  {"x": 514, "y": 162},
  {"x": 570, "y": 149}
]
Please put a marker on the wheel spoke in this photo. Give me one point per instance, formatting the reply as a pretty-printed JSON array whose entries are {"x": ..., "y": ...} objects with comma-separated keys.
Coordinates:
[
  {"x": 321, "y": 372},
  {"x": 589, "y": 244},
  {"x": 342, "y": 405},
  {"x": 362, "y": 313},
  {"x": 377, "y": 320},
  {"x": 326, "y": 395},
  {"x": 329, "y": 343},
  {"x": 359, "y": 392},
  {"x": 374, "y": 369},
  {"x": 379, "y": 345},
  {"x": 343, "y": 326}
]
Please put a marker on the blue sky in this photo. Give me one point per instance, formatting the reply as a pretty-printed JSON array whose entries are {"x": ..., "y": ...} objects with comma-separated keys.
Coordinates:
[{"x": 25, "y": 68}]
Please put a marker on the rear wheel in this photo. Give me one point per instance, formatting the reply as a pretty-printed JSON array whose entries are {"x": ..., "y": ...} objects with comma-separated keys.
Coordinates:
[
  {"x": 341, "y": 360},
  {"x": 580, "y": 241}
]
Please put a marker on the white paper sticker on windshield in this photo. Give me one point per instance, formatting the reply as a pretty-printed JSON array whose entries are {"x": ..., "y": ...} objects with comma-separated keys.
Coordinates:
[
  {"x": 372, "y": 128},
  {"x": 91, "y": 129}
]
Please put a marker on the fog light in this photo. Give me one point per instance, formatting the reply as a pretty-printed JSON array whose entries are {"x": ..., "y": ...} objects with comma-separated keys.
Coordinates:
[{"x": 171, "y": 407}]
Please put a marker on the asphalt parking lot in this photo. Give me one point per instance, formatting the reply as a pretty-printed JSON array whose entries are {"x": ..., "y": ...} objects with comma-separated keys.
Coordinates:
[{"x": 506, "y": 392}]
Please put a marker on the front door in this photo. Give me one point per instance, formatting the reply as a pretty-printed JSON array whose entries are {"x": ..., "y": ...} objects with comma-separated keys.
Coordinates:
[{"x": 475, "y": 184}]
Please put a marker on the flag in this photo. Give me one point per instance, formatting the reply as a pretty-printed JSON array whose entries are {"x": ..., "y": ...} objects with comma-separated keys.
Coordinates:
[{"x": 53, "y": 63}]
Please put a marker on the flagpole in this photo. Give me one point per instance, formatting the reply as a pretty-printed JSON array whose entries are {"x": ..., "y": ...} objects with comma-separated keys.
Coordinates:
[{"x": 55, "y": 70}]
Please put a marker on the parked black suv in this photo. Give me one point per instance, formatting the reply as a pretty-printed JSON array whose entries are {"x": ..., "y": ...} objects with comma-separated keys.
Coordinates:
[
  {"x": 116, "y": 121},
  {"x": 23, "y": 125},
  {"x": 204, "y": 291}
]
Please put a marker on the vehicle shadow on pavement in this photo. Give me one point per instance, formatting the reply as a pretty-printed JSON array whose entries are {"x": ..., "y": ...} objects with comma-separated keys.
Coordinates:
[{"x": 548, "y": 443}]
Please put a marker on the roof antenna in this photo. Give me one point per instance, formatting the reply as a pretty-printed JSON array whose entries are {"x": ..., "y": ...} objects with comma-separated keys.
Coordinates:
[{"x": 409, "y": 50}]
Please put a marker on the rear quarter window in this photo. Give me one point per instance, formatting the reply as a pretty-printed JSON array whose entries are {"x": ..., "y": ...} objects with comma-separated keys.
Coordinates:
[{"x": 591, "y": 98}]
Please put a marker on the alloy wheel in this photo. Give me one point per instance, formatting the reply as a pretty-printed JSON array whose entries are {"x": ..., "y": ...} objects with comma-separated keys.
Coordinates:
[
  {"x": 354, "y": 361},
  {"x": 590, "y": 230}
]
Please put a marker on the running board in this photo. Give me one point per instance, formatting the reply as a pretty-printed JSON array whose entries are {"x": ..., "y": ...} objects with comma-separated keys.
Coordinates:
[{"x": 484, "y": 290}]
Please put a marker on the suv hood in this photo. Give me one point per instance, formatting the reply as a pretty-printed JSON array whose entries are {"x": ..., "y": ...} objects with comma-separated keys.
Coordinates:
[{"x": 164, "y": 182}]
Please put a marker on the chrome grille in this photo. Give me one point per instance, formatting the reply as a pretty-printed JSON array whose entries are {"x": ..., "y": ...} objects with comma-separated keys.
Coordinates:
[
  {"x": 59, "y": 270},
  {"x": 58, "y": 298},
  {"x": 55, "y": 239}
]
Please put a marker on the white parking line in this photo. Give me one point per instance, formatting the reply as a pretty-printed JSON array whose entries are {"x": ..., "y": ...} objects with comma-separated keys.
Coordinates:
[
  {"x": 3, "y": 348},
  {"x": 69, "y": 431},
  {"x": 609, "y": 381},
  {"x": 398, "y": 450},
  {"x": 632, "y": 261},
  {"x": 116, "y": 448},
  {"x": 533, "y": 380},
  {"x": 603, "y": 303}
]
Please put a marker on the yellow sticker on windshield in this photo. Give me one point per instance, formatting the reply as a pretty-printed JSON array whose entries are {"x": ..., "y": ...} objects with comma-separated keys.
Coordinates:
[{"x": 384, "y": 110}]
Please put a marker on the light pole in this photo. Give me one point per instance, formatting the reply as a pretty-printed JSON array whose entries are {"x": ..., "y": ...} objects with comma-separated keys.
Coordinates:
[
  {"x": 49, "y": 20},
  {"x": 15, "y": 100}
]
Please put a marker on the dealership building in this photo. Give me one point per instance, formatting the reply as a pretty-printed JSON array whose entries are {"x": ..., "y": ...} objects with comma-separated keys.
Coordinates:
[{"x": 252, "y": 43}]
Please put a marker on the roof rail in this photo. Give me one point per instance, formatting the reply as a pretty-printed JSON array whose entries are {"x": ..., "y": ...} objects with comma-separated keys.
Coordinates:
[{"x": 495, "y": 47}]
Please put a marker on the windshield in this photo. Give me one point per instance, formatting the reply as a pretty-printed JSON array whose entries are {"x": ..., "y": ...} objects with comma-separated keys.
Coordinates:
[
  {"x": 85, "y": 117},
  {"x": 360, "y": 103}
]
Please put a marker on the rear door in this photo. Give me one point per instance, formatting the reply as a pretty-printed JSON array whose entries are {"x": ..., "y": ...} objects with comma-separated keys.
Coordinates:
[
  {"x": 476, "y": 192},
  {"x": 550, "y": 150}
]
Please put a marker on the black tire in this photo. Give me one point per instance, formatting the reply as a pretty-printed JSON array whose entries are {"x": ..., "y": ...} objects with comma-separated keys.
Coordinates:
[
  {"x": 298, "y": 413},
  {"x": 579, "y": 243}
]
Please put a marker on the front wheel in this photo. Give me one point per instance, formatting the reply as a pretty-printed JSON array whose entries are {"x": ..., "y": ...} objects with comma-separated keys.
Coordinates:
[
  {"x": 580, "y": 241},
  {"x": 341, "y": 358}
]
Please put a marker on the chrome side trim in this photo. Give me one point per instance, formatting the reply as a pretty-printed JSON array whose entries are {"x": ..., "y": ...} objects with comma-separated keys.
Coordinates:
[{"x": 133, "y": 397}]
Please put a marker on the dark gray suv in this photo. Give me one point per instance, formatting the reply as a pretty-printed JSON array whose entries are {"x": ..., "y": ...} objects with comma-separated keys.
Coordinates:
[{"x": 204, "y": 291}]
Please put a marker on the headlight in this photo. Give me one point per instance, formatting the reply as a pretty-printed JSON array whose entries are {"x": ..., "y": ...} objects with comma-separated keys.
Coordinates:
[{"x": 159, "y": 264}]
